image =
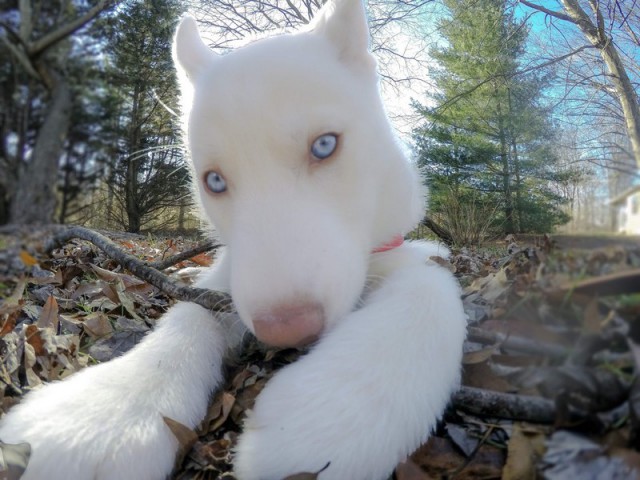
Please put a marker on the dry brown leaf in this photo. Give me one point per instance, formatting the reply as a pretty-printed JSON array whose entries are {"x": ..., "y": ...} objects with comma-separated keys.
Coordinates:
[
  {"x": 443, "y": 262},
  {"x": 438, "y": 456},
  {"x": 33, "y": 338},
  {"x": 480, "y": 375},
  {"x": 479, "y": 356},
  {"x": 522, "y": 455},
  {"x": 8, "y": 323},
  {"x": 219, "y": 411},
  {"x": 109, "y": 291},
  {"x": 28, "y": 259},
  {"x": 126, "y": 300},
  {"x": 49, "y": 314},
  {"x": 127, "y": 244},
  {"x": 185, "y": 436},
  {"x": 408, "y": 470},
  {"x": 307, "y": 475},
  {"x": 202, "y": 259},
  {"x": 14, "y": 301},
  {"x": 97, "y": 325},
  {"x": 109, "y": 276},
  {"x": 491, "y": 286},
  {"x": 245, "y": 400}
]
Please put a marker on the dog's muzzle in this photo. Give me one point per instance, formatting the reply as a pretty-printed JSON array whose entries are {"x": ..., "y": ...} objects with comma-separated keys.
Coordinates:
[{"x": 289, "y": 325}]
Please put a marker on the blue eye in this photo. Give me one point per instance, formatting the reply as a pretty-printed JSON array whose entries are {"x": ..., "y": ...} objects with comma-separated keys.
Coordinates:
[
  {"x": 324, "y": 146},
  {"x": 215, "y": 182}
]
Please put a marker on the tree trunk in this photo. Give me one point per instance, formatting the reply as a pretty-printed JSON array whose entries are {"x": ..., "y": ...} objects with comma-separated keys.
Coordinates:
[
  {"x": 506, "y": 172},
  {"x": 35, "y": 198},
  {"x": 597, "y": 35},
  {"x": 516, "y": 171},
  {"x": 134, "y": 220}
]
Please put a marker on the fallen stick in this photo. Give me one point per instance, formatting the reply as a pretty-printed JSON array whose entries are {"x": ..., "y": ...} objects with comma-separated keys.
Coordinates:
[
  {"x": 486, "y": 403},
  {"x": 516, "y": 343},
  {"x": 186, "y": 255},
  {"x": 209, "y": 299}
]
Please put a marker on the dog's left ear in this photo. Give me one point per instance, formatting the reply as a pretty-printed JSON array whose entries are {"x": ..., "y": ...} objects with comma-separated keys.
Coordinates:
[
  {"x": 189, "y": 51},
  {"x": 344, "y": 24}
]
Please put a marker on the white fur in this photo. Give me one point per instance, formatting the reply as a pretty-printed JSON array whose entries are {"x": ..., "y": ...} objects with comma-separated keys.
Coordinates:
[{"x": 375, "y": 384}]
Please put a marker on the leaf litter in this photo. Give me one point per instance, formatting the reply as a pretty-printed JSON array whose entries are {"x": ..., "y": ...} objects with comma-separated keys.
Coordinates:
[{"x": 561, "y": 324}]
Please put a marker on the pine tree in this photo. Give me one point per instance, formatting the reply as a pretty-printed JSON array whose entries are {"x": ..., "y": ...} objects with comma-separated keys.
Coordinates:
[
  {"x": 486, "y": 141},
  {"x": 149, "y": 174}
]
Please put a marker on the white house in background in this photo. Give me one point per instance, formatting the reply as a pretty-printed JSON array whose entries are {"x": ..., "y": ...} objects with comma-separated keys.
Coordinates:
[{"x": 627, "y": 205}]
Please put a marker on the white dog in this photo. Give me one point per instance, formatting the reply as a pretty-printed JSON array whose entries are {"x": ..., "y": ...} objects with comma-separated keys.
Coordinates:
[{"x": 298, "y": 169}]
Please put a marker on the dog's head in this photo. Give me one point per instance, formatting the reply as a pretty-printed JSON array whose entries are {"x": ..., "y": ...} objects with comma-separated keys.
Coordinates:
[{"x": 297, "y": 168}]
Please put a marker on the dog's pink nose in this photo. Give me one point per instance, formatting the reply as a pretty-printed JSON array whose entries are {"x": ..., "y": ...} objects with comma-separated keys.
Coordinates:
[{"x": 289, "y": 325}]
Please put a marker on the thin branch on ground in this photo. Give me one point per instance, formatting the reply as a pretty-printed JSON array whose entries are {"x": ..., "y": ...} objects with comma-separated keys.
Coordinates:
[
  {"x": 486, "y": 403},
  {"x": 516, "y": 343},
  {"x": 209, "y": 299},
  {"x": 186, "y": 255}
]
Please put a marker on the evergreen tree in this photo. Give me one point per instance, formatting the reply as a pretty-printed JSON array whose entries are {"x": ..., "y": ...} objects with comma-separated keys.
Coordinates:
[
  {"x": 149, "y": 174},
  {"x": 486, "y": 140}
]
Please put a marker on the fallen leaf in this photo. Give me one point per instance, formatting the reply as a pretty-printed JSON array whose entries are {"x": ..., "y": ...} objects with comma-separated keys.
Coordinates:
[
  {"x": 28, "y": 259},
  {"x": 408, "y": 470},
  {"x": 307, "y": 475},
  {"x": 522, "y": 455},
  {"x": 479, "y": 356},
  {"x": 33, "y": 338},
  {"x": 14, "y": 302},
  {"x": 49, "y": 314},
  {"x": 219, "y": 411},
  {"x": 97, "y": 325},
  {"x": 126, "y": 300},
  {"x": 202, "y": 259},
  {"x": 186, "y": 437}
]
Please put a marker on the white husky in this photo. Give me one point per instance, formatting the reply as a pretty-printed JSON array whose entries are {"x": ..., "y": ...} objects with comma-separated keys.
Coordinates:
[{"x": 298, "y": 169}]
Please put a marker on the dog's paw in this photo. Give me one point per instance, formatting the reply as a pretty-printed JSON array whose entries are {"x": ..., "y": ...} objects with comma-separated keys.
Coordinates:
[
  {"x": 309, "y": 417},
  {"x": 88, "y": 428}
]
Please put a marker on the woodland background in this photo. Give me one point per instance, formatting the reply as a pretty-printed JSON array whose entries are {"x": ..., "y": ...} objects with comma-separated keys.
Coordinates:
[{"x": 524, "y": 115}]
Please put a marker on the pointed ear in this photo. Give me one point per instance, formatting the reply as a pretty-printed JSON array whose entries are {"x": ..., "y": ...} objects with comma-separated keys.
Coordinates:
[
  {"x": 344, "y": 24},
  {"x": 189, "y": 51}
]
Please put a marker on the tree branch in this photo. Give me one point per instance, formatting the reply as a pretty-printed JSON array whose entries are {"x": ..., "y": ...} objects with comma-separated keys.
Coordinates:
[
  {"x": 551, "y": 13},
  {"x": 486, "y": 403},
  {"x": 209, "y": 299},
  {"x": 186, "y": 255},
  {"x": 52, "y": 38},
  {"x": 21, "y": 58}
]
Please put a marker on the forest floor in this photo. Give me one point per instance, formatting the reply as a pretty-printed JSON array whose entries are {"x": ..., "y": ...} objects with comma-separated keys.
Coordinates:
[{"x": 553, "y": 351}]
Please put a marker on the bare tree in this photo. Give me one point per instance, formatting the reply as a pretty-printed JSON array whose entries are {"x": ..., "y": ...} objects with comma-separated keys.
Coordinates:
[
  {"x": 36, "y": 42},
  {"x": 606, "y": 26}
]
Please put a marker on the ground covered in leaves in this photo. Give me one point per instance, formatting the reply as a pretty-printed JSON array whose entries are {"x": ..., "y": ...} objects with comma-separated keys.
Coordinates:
[{"x": 552, "y": 355}]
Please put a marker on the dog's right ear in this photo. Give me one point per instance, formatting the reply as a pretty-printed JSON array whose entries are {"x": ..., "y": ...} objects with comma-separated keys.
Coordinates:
[
  {"x": 189, "y": 51},
  {"x": 344, "y": 24}
]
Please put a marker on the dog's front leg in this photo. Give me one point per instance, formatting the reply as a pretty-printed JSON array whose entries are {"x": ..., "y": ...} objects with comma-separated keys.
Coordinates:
[
  {"x": 373, "y": 388},
  {"x": 106, "y": 422}
]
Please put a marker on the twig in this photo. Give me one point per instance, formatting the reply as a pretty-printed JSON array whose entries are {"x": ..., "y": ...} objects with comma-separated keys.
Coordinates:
[
  {"x": 516, "y": 343},
  {"x": 209, "y": 299},
  {"x": 486, "y": 403},
  {"x": 186, "y": 255},
  {"x": 440, "y": 231}
]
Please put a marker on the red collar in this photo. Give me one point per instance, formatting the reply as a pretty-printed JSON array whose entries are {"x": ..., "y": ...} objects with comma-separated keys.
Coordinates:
[{"x": 394, "y": 243}]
